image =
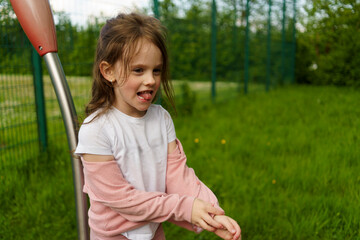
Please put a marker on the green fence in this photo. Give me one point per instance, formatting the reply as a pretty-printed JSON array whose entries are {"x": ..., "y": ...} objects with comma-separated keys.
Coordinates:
[{"x": 222, "y": 48}]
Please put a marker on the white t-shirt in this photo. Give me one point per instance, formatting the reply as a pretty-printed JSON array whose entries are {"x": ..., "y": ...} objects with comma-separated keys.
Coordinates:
[{"x": 139, "y": 146}]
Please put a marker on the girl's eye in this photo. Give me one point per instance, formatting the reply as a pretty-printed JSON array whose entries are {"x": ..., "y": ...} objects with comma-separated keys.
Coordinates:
[
  {"x": 157, "y": 71},
  {"x": 138, "y": 70}
]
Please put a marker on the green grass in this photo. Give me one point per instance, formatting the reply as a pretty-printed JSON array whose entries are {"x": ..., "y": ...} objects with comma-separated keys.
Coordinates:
[
  {"x": 289, "y": 168},
  {"x": 290, "y": 165}
]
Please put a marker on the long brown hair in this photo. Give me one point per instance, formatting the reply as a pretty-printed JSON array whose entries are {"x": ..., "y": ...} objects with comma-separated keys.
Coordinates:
[{"x": 118, "y": 40}]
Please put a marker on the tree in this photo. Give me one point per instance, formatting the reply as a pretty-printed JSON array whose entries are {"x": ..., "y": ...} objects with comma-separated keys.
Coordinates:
[
  {"x": 332, "y": 39},
  {"x": 14, "y": 45}
]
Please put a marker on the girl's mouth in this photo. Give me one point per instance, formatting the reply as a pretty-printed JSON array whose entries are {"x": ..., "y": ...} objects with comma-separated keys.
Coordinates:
[{"x": 145, "y": 95}]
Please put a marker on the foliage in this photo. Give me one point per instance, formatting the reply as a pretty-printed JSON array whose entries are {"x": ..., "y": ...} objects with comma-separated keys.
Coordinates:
[
  {"x": 330, "y": 42},
  {"x": 189, "y": 41},
  {"x": 324, "y": 53},
  {"x": 188, "y": 100},
  {"x": 76, "y": 45},
  {"x": 12, "y": 42}
]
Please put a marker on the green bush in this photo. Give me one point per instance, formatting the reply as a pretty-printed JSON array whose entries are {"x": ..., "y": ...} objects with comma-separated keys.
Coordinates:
[
  {"x": 187, "y": 100},
  {"x": 327, "y": 49}
]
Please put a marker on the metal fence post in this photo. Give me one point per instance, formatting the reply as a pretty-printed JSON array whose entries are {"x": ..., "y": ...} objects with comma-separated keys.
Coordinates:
[
  {"x": 213, "y": 50},
  {"x": 156, "y": 9},
  {"x": 157, "y": 15},
  {"x": 246, "y": 62},
  {"x": 39, "y": 99},
  {"x": 282, "y": 79},
  {"x": 268, "y": 62},
  {"x": 294, "y": 43},
  {"x": 235, "y": 42}
]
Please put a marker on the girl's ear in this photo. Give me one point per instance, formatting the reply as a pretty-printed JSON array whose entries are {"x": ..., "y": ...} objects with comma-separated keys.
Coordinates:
[{"x": 108, "y": 71}]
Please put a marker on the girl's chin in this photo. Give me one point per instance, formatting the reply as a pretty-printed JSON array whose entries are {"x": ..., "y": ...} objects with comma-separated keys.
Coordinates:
[{"x": 142, "y": 109}]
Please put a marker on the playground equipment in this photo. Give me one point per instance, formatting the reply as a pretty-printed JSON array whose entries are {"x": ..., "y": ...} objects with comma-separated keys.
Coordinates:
[{"x": 37, "y": 21}]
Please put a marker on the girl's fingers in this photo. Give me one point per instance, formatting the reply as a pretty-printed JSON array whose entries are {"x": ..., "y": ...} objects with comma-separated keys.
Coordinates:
[
  {"x": 209, "y": 220},
  {"x": 213, "y": 210},
  {"x": 229, "y": 225},
  {"x": 224, "y": 234},
  {"x": 237, "y": 228},
  {"x": 206, "y": 226}
]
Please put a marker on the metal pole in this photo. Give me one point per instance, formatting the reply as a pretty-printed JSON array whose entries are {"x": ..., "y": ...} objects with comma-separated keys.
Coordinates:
[
  {"x": 71, "y": 125},
  {"x": 283, "y": 45},
  {"x": 235, "y": 42},
  {"x": 35, "y": 17},
  {"x": 294, "y": 43},
  {"x": 268, "y": 62},
  {"x": 213, "y": 51},
  {"x": 246, "y": 62},
  {"x": 157, "y": 15},
  {"x": 234, "y": 27},
  {"x": 156, "y": 9}
]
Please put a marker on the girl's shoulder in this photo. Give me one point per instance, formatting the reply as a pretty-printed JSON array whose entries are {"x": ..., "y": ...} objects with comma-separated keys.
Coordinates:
[
  {"x": 95, "y": 135},
  {"x": 158, "y": 109},
  {"x": 95, "y": 121},
  {"x": 95, "y": 127},
  {"x": 158, "y": 112},
  {"x": 93, "y": 117}
]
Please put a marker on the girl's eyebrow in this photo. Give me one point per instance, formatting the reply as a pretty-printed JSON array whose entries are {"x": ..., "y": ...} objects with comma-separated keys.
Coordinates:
[{"x": 145, "y": 65}]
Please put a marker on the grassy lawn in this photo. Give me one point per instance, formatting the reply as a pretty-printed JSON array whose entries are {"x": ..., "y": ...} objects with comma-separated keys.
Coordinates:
[
  {"x": 284, "y": 164},
  {"x": 290, "y": 166}
]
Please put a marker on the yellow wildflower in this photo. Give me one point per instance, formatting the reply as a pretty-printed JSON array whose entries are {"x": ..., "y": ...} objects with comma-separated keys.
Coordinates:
[
  {"x": 273, "y": 181},
  {"x": 223, "y": 141},
  {"x": 196, "y": 140}
]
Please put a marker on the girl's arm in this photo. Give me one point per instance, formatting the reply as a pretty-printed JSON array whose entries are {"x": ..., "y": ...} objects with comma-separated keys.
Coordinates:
[
  {"x": 105, "y": 184},
  {"x": 180, "y": 179}
]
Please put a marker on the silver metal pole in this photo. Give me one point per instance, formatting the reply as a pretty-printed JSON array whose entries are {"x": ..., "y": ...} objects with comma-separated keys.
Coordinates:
[{"x": 68, "y": 111}]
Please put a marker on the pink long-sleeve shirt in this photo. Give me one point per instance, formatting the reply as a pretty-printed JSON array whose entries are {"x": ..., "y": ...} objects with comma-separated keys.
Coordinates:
[{"x": 116, "y": 206}]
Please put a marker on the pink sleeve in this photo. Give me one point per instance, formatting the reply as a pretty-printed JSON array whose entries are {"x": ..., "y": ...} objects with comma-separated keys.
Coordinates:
[
  {"x": 182, "y": 180},
  {"x": 105, "y": 184}
]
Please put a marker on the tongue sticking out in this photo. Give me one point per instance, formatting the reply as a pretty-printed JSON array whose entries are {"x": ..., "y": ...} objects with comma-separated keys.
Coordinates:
[{"x": 145, "y": 95}]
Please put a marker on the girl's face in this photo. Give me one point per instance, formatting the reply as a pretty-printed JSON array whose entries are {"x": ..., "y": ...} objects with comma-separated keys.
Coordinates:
[{"x": 135, "y": 95}]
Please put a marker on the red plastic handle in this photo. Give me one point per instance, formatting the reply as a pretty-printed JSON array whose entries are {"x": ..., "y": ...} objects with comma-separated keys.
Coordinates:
[{"x": 36, "y": 19}]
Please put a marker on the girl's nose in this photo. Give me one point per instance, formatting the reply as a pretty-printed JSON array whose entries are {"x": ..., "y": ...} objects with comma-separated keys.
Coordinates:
[{"x": 149, "y": 80}]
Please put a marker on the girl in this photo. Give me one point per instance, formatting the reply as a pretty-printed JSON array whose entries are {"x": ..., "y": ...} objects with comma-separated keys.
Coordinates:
[{"x": 134, "y": 167}]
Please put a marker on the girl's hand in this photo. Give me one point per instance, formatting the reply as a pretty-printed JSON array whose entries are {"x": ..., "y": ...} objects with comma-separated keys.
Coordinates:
[
  {"x": 231, "y": 230},
  {"x": 200, "y": 215},
  {"x": 224, "y": 234}
]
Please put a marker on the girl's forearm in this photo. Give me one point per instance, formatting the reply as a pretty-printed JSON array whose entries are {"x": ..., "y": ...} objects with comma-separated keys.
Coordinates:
[
  {"x": 105, "y": 184},
  {"x": 182, "y": 180}
]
